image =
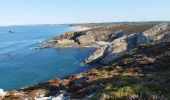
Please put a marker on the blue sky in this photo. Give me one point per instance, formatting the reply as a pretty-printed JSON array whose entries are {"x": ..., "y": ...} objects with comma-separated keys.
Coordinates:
[{"x": 14, "y": 12}]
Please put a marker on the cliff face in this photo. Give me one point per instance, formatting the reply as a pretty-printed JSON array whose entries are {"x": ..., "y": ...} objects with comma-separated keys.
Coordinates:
[
  {"x": 119, "y": 38},
  {"x": 118, "y": 47},
  {"x": 100, "y": 33}
]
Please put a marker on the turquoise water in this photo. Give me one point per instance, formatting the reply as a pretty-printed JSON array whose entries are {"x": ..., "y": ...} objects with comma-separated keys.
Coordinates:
[{"x": 21, "y": 66}]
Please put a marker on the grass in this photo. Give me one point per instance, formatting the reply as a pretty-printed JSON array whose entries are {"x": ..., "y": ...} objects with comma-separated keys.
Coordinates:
[{"x": 125, "y": 84}]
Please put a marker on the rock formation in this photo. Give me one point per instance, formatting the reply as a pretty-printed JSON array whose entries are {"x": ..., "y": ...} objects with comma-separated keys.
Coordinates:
[
  {"x": 97, "y": 34},
  {"x": 154, "y": 34},
  {"x": 85, "y": 40},
  {"x": 118, "y": 47}
]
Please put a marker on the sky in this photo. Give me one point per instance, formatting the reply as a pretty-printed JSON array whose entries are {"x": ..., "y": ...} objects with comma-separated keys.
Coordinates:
[{"x": 22, "y": 12}]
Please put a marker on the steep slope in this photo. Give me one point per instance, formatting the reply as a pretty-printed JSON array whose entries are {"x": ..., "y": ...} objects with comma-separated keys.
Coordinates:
[{"x": 118, "y": 47}]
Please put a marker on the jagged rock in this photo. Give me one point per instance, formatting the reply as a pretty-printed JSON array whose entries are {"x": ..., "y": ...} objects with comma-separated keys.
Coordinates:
[
  {"x": 67, "y": 35},
  {"x": 54, "y": 84},
  {"x": 117, "y": 35},
  {"x": 17, "y": 95},
  {"x": 154, "y": 34},
  {"x": 119, "y": 46},
  {"x": 85, "y": 40},
  {"x": 115, "y": 50},
  {"x": 36, "y": 93},
  {"x": 106, "y": 54},
  {"x": 156, "y": 29},
  {"x": 97, "y": 55}
]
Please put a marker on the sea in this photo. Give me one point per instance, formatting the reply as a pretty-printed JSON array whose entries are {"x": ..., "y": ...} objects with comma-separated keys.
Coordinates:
[{"x": 22, "y": 65}]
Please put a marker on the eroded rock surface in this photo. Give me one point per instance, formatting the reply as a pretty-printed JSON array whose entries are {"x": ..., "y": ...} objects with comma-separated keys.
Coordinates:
[{"x": 119, "y": 47}]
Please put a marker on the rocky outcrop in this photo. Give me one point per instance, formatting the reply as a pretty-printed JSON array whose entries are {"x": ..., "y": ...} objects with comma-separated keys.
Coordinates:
[
  {"x": 119, "y": 46},
  {"x": 100, "y": 35},
  {"x": 85, "y": 40},
  {"x": 109, "y": 53},
  {"x": 115, "y": 50},
  {"x": 103, "y": 33},
  {"x": 154, "y": 34},
  {"x": 97, "y": 55}
]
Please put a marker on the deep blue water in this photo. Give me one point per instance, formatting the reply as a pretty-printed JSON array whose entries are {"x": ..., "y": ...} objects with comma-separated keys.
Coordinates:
[{"x": 21, "y": 66}]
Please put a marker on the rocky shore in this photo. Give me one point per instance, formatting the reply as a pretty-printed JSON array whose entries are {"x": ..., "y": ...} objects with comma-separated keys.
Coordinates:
[{"x": 131, "y": 63}]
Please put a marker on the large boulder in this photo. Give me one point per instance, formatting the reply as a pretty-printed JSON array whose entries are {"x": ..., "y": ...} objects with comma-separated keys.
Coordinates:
[{"x": 85, "y": 40}]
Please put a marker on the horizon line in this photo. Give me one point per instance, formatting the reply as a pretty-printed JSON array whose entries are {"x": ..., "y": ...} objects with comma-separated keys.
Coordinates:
[{"x": 85, "y": 23}]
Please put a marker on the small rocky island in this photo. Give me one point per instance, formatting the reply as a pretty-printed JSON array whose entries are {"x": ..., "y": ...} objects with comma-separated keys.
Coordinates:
[{"x": 132, "y": 62}]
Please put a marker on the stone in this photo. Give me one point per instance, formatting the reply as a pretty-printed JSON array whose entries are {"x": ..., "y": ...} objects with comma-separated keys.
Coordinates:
[
  {"x": 96, "y": 56},
  {"x": 117, "y": 35},
  {"x": 116, "y": 50},
  {"x": 36, "y": 93},
  {"x": 54, "y": 84}
]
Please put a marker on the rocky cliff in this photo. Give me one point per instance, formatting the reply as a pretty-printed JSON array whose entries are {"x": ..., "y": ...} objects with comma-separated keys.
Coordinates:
[
  {"x": 101, "y": 33},
  {"x": 118, "y": 47}
]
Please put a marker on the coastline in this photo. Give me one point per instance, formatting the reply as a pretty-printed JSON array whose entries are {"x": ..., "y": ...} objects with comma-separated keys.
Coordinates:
[{"x": 102, "y": 79}]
